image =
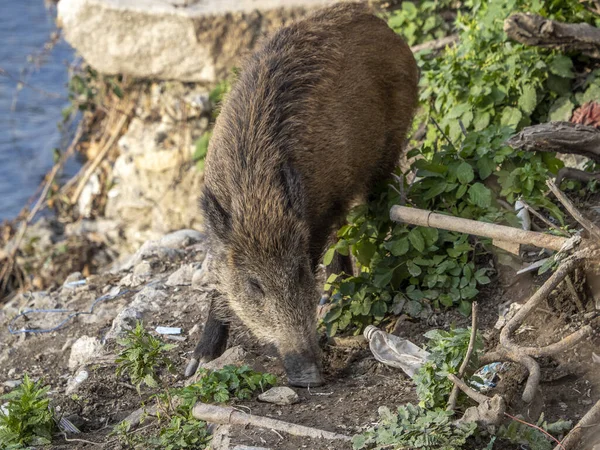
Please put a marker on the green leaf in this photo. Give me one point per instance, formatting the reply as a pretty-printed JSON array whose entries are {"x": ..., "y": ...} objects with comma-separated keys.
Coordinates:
[
  {"x": 202, "y": 146},
  {"x": 464, "y": 308},
  {"x": 485, "y": 167},
  {"x": 461, "y": 191},
  {"x": 398, "y": 247},
  {"x": 381, "y": 280},
  {"x": 413, "y": 269},
  {"x": 561, "y": 109},
  {"x": 528, "y": 99},
  {"x": 482, "y": 120},
  {"x": 465, "y": 173},
  {"x": 562, "y": 66},
  {"x": 436, "y": 190},
  {"x": 364, "y": 252},
  {"x": 480, "y": 195},
  {"x": 416, "y": 239},
  {"x": 511, "y": 116},
  {"x": 329, "y": 254}
]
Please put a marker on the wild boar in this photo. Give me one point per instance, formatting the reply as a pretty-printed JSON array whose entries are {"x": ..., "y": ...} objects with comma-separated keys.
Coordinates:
[{"x": 317, "y": 117}]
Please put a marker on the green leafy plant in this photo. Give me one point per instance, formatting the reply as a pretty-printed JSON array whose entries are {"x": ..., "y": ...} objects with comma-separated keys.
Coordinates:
[
  {"x": 534, "y": 439},
  {"x": 142, "y": 354},
  {"x": 222, "y": 385},
  {"x": 402, "y": 268},
  {"x": 182, "y": 433},
  {"x": 420, "y": 21},
  {"x": 415, "y": 428},
  {"x": 26, "y": 418},
  {"x": 447, "y": 351}
]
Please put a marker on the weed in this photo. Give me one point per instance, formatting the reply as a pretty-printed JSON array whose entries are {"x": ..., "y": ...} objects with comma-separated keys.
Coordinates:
[
  {"x": 26, "y": 419},
  {"x": 141, "y": 356},
  {"x": 447, "y": 351},
  {"x": 534, "y": 439},
  {"x": 415, "y": 428}
]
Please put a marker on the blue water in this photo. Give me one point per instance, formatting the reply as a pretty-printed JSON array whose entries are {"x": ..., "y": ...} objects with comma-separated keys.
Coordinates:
[{"x": 28, "y": 119}]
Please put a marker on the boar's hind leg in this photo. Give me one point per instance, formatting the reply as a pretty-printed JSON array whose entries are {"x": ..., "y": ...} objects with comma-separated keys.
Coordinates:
[{"x": 212, "y": 343}]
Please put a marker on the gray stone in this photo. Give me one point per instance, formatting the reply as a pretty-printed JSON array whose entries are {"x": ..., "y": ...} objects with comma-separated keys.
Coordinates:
[
  {"x": 142, "y": 269},
  {"x": 186, "y": 40},
  {"x": 75, "y": 382},
  {"x": 83, "y": 349},
  {"x": 11, "y": 384},
  {"x": 181, "y": 238},
  {"x": 198, "y": 278},
  {"x": 182, "y": 276},
  {"x": 150, "y": 298},
  {"x": 280, "y": 395}
]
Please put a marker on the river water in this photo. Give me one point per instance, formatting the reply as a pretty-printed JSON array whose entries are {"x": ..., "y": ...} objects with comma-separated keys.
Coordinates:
[{"x": 29, "y": 116}]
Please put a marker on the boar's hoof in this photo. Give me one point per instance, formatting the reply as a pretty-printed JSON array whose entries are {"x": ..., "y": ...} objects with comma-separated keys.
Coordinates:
[
  {"x": 191, "y": 368},
  {"x": 307, "y": 377}
]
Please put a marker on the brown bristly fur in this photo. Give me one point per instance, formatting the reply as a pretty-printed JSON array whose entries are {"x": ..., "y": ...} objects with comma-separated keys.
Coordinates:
[{"x": 317, "y": 118}]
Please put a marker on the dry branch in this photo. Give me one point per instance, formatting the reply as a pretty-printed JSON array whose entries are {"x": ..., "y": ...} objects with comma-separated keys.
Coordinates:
[
  {"x": 591, "y": 418},
  {"x": 227, "y": 415},
  {"x": 575, "y": 174},
  {"x": 560, "y": 137},
  {"x": 591, "y": 227},
  {"x": 531, "y": 29},
  {"x": 426, "y": 218},
  {"x": 436, "y": 44},
  {"x": 465, "y": 363}
]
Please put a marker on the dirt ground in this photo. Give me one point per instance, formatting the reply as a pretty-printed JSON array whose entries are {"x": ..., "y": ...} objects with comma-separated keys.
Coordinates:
[{"x": 356, "y": 384}]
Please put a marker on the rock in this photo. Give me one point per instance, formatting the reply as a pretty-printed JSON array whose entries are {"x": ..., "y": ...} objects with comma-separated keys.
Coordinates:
[
  {"x": 232, "y": 356},
  {"x": 11, "y": 384},
  {"x": 181, "y": 239},
  {"x": 92, "y": 188},
  {"x": 280, "y": 395},
  {"x": 74, "y": 382},
  {"x": 83, "y": 349},
  {"x": 150, "y": 298},
  {"x": 198, "y": 279},
  {"x": 142, "y": 269},
  {"x": 182, "y": 276},
  {"x": 198, "y": 41}
]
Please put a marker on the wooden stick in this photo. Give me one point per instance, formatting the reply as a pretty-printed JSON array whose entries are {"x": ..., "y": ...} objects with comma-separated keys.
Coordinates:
[
  {"x": 591, "y": 418},
  {"x": 426, "y": 218},
  {"x": 465, "y": 363},
  {"x": 543, "y": 219},
  {"x": 591, "y": 227},
  {"x": 436, "y": 44},
  {"x": 472, "y": 393},
  {"x": 228, "y": 415}
]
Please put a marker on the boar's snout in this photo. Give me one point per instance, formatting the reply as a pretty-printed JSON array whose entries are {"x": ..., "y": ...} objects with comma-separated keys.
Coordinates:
[{"x": 303, "y": 369}]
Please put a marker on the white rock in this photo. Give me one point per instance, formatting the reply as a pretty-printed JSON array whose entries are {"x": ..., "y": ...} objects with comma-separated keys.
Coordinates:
[
  {"x": 84, "y": 349},
  {"x": 187, "y": 40},
  {"x": 280, "y": 395},
  {"x": 182, "y": 276},
  {"x": 74, "y": 382}
]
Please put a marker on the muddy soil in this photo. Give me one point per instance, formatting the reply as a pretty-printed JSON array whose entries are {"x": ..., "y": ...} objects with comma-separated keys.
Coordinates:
[{"x": 356, "y": 384}]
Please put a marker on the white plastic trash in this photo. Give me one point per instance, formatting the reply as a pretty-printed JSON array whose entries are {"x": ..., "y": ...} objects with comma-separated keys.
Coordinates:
[
  {"x": 394, "y": 351},
  {"x": 168, "y": 330}
]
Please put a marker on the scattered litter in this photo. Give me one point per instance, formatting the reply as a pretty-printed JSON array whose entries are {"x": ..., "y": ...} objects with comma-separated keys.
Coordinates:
[
  {"x": 112, "y": 294},
  {"x": 534, "y": 266},
  {"x": 175, "y": 338},
  {"x": 506, "y": 313},
  {"x": 394, "y": 351},
  {"x": 168, "y": 330},
  {"x": 67, "y": 426},
  {"x": 489, "y": 376},
  {"x": 74, "y": 284},
  {"x": 523, "y": 215}
]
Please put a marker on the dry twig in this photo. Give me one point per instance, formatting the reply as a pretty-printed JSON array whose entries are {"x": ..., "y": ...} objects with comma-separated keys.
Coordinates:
[
  {"x": 591, "y": 227},
  {"x": 465, "y": 363},
  {"x": 227, "y": 415}
]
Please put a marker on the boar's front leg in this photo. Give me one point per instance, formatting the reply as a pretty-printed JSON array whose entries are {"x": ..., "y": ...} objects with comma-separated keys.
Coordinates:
[{"x": 214, "y": 337}]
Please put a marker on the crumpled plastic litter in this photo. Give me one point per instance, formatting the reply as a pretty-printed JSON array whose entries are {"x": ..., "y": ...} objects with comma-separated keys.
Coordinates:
[
  {"x": 395, "y": 351},
  {"x": 488, "y": 375}
]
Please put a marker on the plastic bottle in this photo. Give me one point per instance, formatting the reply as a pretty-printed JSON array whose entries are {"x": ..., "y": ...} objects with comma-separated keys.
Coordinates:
[{"x": 394, "y": 351}]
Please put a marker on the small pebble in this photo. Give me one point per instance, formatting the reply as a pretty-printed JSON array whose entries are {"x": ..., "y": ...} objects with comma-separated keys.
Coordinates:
[{"x": 280, "y": 395}]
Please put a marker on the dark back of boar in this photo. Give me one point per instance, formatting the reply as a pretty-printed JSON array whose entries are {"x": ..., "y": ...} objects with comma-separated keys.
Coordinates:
[{"x": 317, "y": 117}]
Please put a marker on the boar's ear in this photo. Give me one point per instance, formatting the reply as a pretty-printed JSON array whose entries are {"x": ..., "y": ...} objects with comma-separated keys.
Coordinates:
[
  {"x": 217, "y": 218},
  {"x": 292, "y": 187}
]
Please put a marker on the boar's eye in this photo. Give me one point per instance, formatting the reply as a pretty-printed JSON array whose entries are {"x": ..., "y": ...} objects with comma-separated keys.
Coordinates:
[{"x": 255, "y": 287}]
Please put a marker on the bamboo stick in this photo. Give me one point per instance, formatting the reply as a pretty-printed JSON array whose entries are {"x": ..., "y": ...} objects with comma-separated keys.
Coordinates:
[{"x": 430, "y": 219}]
